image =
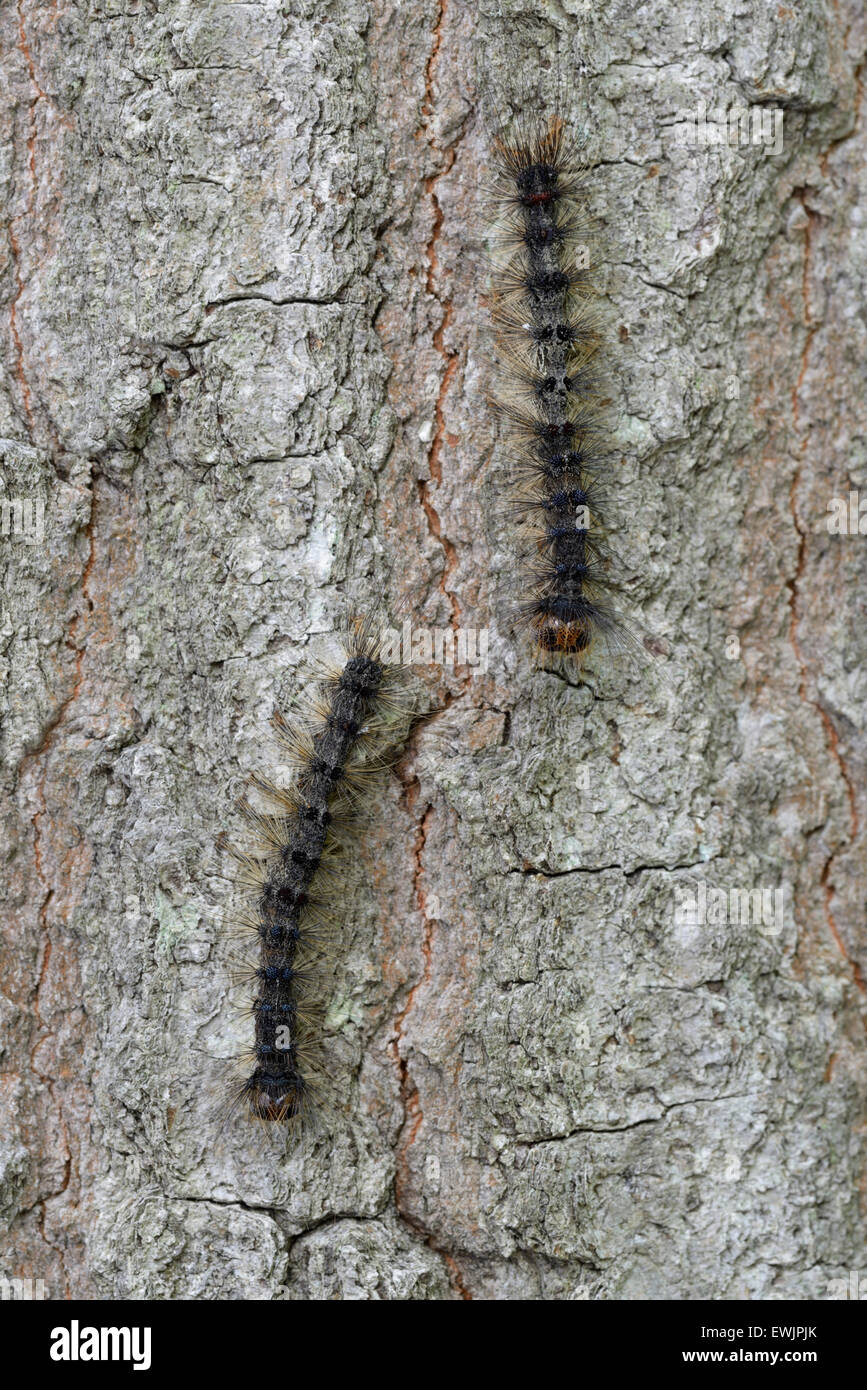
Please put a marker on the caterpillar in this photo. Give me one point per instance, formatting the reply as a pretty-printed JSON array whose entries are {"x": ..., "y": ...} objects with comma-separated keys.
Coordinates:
[
  {"x": 338, "y": 743},
  {"x": 550, "y": 392}
]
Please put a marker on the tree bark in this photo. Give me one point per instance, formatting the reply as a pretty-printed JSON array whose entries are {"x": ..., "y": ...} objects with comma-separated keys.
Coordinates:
[{"x": 245, "y": 372}]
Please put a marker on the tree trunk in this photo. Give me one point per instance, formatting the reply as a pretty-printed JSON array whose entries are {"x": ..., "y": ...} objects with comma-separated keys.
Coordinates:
[{"x": 246, "y": 369}]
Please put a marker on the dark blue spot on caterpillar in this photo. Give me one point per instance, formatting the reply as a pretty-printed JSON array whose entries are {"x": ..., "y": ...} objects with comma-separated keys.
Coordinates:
[
  {"x": 275, "y": 935},
  {"x": 277, "y": 974},
  {"x": 560, "y": 532},
  {"x": 559, "y": 501}
]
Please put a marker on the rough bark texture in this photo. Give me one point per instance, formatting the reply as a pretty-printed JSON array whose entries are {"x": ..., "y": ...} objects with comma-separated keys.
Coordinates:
[{"x": 245, "y": 370}]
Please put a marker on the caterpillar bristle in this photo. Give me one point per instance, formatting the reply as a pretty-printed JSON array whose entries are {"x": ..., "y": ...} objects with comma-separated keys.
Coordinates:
[
  {"x": 295, "y": 1113},
  {"x": 533, "y": 492},
  {"x": 339, "y": 741},
  {"x": 318, "y": 926},
  {"x": 582, "y": 323},
  {"x": 540, "y": 157},
  {"x": 249, "y": 867},
  {"x": 301, "y": 974},
  {"x": 308, "y": 1016}
]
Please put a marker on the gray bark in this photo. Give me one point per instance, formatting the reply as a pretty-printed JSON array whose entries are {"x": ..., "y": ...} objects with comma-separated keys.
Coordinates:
[{"x": 245, "y": 367}]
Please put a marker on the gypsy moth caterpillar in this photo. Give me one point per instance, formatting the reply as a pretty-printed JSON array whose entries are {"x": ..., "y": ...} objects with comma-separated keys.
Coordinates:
[
  {"x": 338, "y": 745},
  {"x": 550, "y": 391}
]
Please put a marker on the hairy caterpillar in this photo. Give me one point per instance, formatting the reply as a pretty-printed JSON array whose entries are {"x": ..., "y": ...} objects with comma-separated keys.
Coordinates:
[
  {"x": 337, "y": 745},
  {"x": 548, "y": 338}
]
